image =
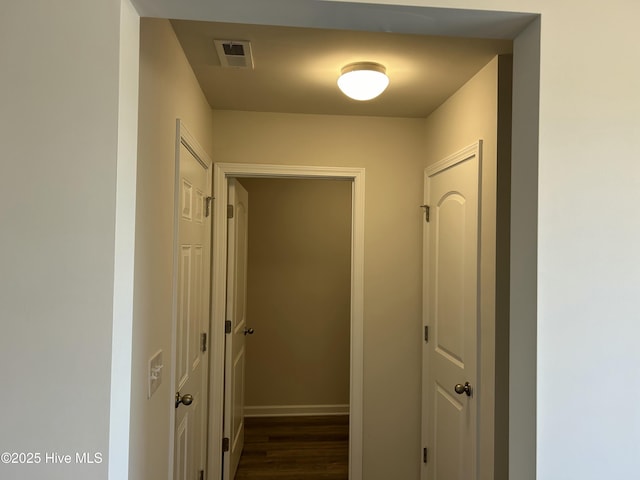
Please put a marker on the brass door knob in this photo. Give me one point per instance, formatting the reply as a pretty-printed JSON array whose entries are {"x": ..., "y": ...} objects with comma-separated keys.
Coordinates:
[
  {"x": 186, "y": 399},
  {"x": 466, "y": 388}
]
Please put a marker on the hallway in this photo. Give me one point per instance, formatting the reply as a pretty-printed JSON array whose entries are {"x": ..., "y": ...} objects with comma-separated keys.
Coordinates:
[{"x": 287, "y": 448}]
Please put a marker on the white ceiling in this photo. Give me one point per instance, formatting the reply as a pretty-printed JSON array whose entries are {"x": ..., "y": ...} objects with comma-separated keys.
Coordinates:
[
  {"x": 363, "y": 15},
  {"x": 366, "y": 22},
  {"x": 296, "y": 68}
]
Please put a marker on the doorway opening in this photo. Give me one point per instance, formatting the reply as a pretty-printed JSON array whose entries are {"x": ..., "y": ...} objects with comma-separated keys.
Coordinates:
[
  {"x": 526, "y": 145},
  {"x": 222, "y": 174},
  {"x": 296, "y": 371}
]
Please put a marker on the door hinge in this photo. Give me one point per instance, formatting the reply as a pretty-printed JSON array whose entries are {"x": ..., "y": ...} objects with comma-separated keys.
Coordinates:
[
  {"x": 424, "y": 455},
  {"x": 207, "y": 206},
  {"x": 227, "y": 326},
  {"x": 427, "y": 212},
  {"x": 229, "y": 211},
  {"x": 201, "y": 474},
  {"x": 203, "y": 342},
  {"x": 225, "y": 444},
  {"x": 426, "y": 333}
]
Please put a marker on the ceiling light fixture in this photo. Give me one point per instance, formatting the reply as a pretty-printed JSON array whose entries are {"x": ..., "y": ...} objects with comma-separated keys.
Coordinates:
[{"x": 363, "y": 80}]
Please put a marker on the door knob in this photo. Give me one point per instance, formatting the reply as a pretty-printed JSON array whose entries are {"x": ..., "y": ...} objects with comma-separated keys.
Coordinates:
[
  {"x": 186, "y": 399},
  {"x": 249, "y": 331},
  {"x": 466, "y": 388}
]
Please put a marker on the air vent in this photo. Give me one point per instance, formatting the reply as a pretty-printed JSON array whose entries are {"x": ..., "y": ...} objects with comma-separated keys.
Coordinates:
[{"x": 234, "y": 53}]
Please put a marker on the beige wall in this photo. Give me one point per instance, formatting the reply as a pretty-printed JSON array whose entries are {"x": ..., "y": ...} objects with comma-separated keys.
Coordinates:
[
  {"x": 298, "y": 293},
  {"x": 168, "y": 90},
  {"x": 391, "y": 150},
  {"x": 471, "y": 114}
]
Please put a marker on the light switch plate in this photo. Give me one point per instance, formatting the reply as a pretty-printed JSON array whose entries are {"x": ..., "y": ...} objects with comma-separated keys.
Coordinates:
[{"x": 155, "y": 372}]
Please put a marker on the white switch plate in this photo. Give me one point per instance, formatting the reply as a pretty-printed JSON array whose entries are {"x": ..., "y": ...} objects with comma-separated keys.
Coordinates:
[{"x": 155, "y": 373}]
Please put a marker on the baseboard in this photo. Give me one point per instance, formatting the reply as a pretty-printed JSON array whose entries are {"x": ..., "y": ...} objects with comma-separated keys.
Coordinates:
[{"x": 295, "y": 410}]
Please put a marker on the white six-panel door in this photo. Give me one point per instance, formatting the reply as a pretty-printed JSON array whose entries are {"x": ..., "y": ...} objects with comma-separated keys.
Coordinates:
[
  {"x": 450, "y": 354},
  {"x": 192, "y": 316},
  {"x": 235, "y": 338}
]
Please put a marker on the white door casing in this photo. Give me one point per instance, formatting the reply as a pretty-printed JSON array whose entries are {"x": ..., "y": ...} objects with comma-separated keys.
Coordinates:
[
  {"x": 192, "y": 233},
  {"x": 452, "y": 316},
  {"x": 222, "y": 172},
  {"x": 235, "y": 353}
]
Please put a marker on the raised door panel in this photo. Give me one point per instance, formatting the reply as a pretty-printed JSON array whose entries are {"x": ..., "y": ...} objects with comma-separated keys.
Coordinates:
[
  {"x": 448, "y": 435},
  {"x": 184, "y": 316},
  {"x": 181, "y": 463},
  {"x": 197, "y": 310},
  {"x": 449, "y": 318}
]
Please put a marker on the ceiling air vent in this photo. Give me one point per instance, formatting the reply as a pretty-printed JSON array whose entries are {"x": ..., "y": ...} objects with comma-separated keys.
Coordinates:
[{"x": 234, "y": 53}]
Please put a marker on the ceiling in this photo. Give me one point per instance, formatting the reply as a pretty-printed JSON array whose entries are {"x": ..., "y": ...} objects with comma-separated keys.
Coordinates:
[{"x": 296, "y": 68}]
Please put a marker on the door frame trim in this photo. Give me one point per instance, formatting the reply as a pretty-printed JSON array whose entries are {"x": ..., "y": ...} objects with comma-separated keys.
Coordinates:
[{"x": 222, "y": 172}]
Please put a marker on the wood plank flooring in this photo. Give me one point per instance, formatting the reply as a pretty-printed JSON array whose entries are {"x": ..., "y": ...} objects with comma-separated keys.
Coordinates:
[{"x": 295, "y": 448}]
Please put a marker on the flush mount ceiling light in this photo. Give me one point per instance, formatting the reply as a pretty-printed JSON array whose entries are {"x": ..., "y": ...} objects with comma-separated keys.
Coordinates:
[{"x": 363, "y": 80}]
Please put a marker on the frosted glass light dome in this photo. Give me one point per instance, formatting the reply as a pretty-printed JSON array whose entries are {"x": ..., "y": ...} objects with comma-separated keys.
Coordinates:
[{"x": 363, "y": 80}]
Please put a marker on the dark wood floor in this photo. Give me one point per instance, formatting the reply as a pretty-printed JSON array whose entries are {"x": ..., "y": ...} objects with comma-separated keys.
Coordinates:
[{"x": 295, "y": 448}]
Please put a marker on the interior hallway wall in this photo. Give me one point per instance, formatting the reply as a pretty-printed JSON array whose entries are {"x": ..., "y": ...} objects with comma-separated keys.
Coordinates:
[
  {"x": 586, "y": 115},
  {"x": 391, "y": 150},
  {"x": 59, "y": 130},
  {"x": 471, "y": 114},
  {"x": 298, "y": 295},
  {"x": 168, "y": 90}
]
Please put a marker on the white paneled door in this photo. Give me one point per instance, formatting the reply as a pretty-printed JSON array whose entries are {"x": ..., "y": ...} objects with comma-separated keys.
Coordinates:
[
  {"x": 192, "y": 316},
  {"x": 237, "y": 327},
  {"x": 450, "y": 353}
]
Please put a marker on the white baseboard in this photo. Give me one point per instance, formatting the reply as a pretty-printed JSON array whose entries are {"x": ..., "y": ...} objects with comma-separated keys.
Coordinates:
[{"x": 295, "y": 410}]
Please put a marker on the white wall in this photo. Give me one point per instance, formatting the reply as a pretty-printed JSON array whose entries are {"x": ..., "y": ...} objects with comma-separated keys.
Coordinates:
[
  {"x": 125, "y": 221},
  {"x": 589, "y": 261},
  {"x": 168, "y": 90},
  {"x": 59, "y": 98}
]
